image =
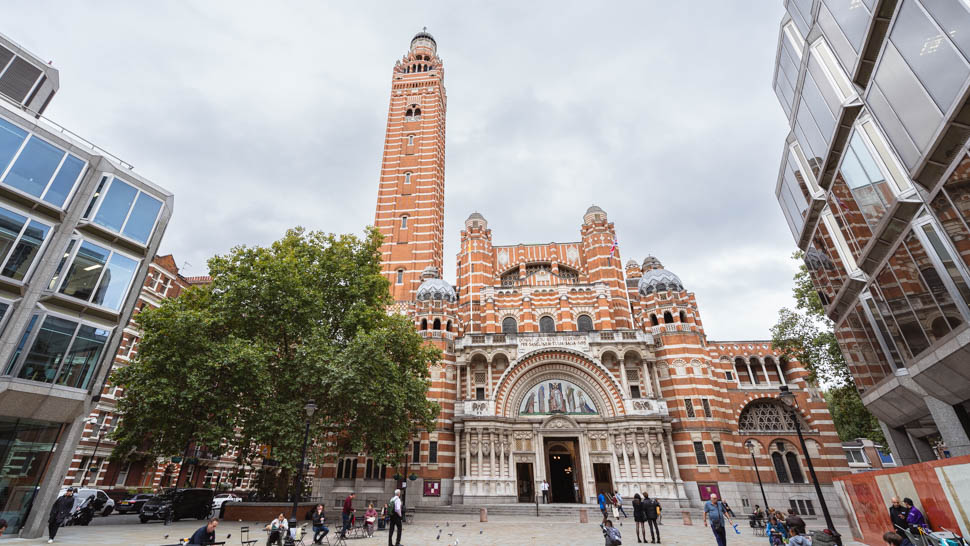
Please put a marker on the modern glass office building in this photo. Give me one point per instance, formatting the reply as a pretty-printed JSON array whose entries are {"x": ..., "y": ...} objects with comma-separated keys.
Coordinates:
[
  {"x": 875, "y": 184},
  {"x": 78, "y": 230}
]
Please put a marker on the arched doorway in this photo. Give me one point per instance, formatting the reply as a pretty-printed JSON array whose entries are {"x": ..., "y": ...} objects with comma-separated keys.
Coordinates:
[{"x": 562, "y": 469}]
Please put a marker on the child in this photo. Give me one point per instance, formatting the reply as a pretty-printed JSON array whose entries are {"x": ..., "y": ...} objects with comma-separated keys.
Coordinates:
[{"x": 612, "y": 534}]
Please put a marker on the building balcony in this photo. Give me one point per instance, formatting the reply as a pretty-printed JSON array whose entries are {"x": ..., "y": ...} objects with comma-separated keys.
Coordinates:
[{"x": 527, "y": 341}]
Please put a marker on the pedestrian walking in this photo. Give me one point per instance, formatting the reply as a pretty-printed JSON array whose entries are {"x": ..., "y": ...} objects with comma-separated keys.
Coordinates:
[
  {"x": 347, "y": 514},
  {"x": 601, "y": 498},
  {"x": 651, "y": 512},
  {"x": 59, "y": 512},
  {"x": 897, "y": 515},
  {"x": 394, "y": 506},
  {"x": 638, "y": 517},
  {"x": 618, "y": 502},
  {"x": 205, "y": 534},
  {"x": 714, "y": 512},
  {"x": 545, "y": 491},
  {"x": 318, "y": 518}
]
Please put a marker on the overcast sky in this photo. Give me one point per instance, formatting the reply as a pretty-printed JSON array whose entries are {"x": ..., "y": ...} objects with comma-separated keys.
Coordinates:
[{"x": 262, "y": 116}]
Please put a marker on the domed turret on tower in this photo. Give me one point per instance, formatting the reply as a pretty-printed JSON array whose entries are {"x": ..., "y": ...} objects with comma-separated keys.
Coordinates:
[
  {"x": 476, "y": 220},
  {"x": 594, "y": 214},
  {"x": 657, "y": 279},
  {"x": 424, "y": 40},
  {"x": 433, "y": 287}
]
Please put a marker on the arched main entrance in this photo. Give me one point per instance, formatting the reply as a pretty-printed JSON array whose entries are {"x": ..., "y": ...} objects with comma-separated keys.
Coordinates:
[{"x": 563, "y": 469}]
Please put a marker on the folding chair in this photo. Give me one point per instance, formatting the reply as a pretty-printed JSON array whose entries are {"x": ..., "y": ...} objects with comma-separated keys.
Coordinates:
[
  {"x": 299, "y": 535},
  {"x": 244, "y": 537}
]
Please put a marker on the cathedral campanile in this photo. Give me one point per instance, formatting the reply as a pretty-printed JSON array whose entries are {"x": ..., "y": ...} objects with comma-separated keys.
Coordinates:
[{"x": 411, "y": 195}]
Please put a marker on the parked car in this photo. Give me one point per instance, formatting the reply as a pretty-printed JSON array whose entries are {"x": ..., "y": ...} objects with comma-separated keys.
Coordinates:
[
  {"x": 223, "y": 498},
  {"x": 101, "y": 503},
  {"x": 176, "y": 504},
  {"x": 133, "y": 503}
]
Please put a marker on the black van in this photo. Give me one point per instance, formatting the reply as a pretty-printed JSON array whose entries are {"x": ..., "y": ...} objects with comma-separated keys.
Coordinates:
[{"x": 176, "y": 504}]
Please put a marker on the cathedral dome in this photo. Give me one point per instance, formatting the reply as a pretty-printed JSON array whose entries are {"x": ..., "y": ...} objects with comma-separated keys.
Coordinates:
[
  {"x": 434, "y": 288},
  {"x": 475, "y": 219},
  {"x": 658, "y": 280},
  {"x": 594, "y": 213}
]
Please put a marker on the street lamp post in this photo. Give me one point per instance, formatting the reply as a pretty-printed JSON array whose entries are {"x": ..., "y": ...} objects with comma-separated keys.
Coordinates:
[
  {"x": 788, "y": 398},
  {"x": 309, "y": 408},
  {"x": 94, "y": 454},
  {"x": 750, "y": 445}
]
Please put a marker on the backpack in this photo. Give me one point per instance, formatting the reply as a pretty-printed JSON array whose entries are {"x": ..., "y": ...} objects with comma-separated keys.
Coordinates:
[{"x": 614, "y": 535}]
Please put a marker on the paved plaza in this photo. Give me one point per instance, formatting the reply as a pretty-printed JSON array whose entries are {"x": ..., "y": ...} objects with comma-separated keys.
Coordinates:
[{"x": 453, "y": 529}]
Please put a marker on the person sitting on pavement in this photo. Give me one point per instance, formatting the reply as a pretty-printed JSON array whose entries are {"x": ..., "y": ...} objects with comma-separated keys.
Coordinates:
[{"x": 205, "y": 534}]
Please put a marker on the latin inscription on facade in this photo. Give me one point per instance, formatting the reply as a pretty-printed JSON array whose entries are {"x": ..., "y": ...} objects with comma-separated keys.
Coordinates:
[{"x": 578, "y": 343}]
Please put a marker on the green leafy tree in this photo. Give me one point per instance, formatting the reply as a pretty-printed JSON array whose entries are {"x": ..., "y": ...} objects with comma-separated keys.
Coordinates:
[
  {"x": 807, "y": 334},
  {"x": 234, "y": 362}
]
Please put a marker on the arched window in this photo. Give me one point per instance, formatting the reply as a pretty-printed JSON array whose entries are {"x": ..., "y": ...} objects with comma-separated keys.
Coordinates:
[
  {"x": 404, "y": 222},
  {"x": 547, "y": 325},
  {"x": 400, "y": 276},
  {"x": 509, "y": 325},
  {"x": 668, "y": 318},
  {"x": 407, "y": 178},
  {"x": 417, "y": 113},
  {"x": 409, "y": 113},
  {"x": 755, "y": 366},
  {"x": 766, "y": 416},
  {"x": 584, "y": 323},
  {"x": 424, "y": 324},
  {"x": 437, "y": 324},
  {"x": 410, "y": 140},
  {"x": 683, "y": 317},
  {"x": 653, "y": 320},
  {"x": 794, "y": 468},
  {"x": 448, "y": 326},
  {"x": 780, "y": 471}
]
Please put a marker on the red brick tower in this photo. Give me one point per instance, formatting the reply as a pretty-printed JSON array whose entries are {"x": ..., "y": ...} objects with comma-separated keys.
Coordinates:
[
  {"x": 604, "y": 266},
  {"x": 411, "y": 198}
]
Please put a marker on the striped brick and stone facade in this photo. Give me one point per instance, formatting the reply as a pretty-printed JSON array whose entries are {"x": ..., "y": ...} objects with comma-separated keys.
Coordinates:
[{"x": 562, "y": 364}]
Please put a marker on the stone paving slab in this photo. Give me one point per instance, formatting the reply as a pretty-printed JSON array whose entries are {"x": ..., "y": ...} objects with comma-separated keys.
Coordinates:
[{"x": 427, "y": 529}]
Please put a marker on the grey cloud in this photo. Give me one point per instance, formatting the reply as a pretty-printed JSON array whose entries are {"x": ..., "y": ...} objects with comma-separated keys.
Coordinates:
[{"x": 260, "y": 118}]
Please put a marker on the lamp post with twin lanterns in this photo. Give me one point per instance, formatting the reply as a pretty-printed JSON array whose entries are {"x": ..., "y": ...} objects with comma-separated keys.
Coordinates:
[
  {"x": 788, "y": 398},
  {"x": 94, "y": 454},
  {"x": 309, "y": 408},
  {"x": 750, "y": 445}
]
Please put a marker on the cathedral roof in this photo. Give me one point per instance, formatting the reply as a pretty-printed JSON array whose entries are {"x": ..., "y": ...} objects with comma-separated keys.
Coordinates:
[
  {"x": 658, "y": 280},
  {"x": 434, "y": 288},
  {"x": 424, "y": 34}
]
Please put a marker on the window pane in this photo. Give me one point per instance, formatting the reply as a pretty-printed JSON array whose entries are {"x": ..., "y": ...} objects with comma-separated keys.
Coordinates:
[
  {"x": 115, "y": 206},
  {"x": 547, "y": 325},
  {"x": 83, "y": 275},
  {"x": 699, "y": 453},
  {"x": 64, "y": 181},
  {"x": 114, "y": 285},
  {"x": 951, "y": 267},
  {"x": 929, "y": 54},
  {"x": 82, "y": 359},
  {"x": 852, "y": 17},
  {"x": 11, "y": 224},
  {"x": 780, "y": 469},
  {"x": 919, "y": 116},
  {"x": 955, "y": 20},
  {"x": 142, "y": 220},
  {"x": 34, "y": 167},
  {"x": 26, "y": 250},
  {"x": 20, "y": 346},
  {"x": 11, "y": 138},
  {"x": 46, "y": 354}
]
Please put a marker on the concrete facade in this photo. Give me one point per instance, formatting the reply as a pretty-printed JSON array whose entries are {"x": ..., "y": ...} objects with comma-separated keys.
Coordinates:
[
  {"x": 873, "y": 183},
  {"x": 79, "y": 230}
]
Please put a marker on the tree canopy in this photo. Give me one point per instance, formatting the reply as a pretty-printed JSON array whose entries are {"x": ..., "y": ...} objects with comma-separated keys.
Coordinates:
[
  {"x": 233, "y": 363},
  {"x": 807, "y": 334}
]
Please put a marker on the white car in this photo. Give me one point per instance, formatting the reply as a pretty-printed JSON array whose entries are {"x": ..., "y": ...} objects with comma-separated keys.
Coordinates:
[
  {"x": 223, "y": 498},
  {"x": 103, "y": 504}
]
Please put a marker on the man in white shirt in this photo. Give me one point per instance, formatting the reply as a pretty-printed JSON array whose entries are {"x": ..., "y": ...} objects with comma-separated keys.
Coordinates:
[
  {"x": 397, "y": 515},
  {"x": 545, "y": 492}
]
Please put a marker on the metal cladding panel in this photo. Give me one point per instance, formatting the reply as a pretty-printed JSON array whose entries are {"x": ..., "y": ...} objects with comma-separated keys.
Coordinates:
[{"x": 19, "y": 78}]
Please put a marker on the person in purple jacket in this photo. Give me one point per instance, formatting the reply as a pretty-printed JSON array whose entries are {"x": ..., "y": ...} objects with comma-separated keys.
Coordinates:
[{"x": 914, "y": 518}]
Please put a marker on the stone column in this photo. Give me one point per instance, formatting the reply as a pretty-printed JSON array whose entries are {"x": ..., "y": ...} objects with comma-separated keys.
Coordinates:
[
  {"x": 481, "y": 445},
  {"x": 653, "y": 469},
  {"x": 587, "y": 468},
  {"x": 626, "y": 457},
  {"x": 951, "y": 428},
  {"x": 501, "y": 460},
  {"x": 636, "y": 456},
  {"x": 468, "y": 452},
  {"x": 647, "y": 379},
  {"x": 488, "y": 382},
  {"x": 491, "y": 453},
  {"x": 900, "y": 445},
  {"x": 765, "y": 369},
  {"x": 468, "y": 381},
  {"x": 458, "y": 454},
  {"x": 750, "y": 374},
  {"x": 663, "y": 456},
  {"x": 781, "y": 375},
  {"x": 461, "y": 395},
  {"x": 673, "y": 456},
  {"x": 623, "y": 380},
  {"x": 616, "y": 461}
]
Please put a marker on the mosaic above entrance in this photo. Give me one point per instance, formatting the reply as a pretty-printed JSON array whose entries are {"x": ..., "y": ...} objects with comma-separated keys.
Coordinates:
[{"x": 557, "y": 396}]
